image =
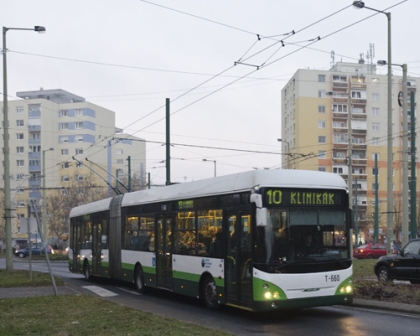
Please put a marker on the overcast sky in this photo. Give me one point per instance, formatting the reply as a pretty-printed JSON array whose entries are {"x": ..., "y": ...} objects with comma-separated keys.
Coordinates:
[{"x": 130, "y": 55}]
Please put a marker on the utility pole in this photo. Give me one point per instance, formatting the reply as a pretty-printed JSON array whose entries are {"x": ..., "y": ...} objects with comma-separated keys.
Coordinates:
[
  {"x": 129, "y": 172},
  {"x": 413, "y": 206},
  {"x": 168, "y": 144},
  {"x": 375, "y": 172}
]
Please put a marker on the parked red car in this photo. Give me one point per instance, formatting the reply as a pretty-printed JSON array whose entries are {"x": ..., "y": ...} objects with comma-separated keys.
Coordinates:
[{"x": 370, "y": 251}]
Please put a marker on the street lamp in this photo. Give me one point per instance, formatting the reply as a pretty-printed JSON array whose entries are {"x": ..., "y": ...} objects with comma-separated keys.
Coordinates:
[
  {"x": 288, "y": 151},
  {"x": 404, "y": 153},
  {"x": 214, "y": 161},
  {"x": 44, "y": 198},
  {"x": 6, "y": 151},
  {"x": 389, "y": 203}
]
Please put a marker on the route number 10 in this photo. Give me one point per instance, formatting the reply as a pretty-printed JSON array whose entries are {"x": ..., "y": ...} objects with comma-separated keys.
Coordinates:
[{"x": 274, "y": 196}]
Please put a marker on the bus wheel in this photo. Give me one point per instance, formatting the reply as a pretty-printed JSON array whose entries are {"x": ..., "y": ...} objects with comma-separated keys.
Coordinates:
[
  {"x": 139, "y": 280},
  {"x": 86, "y": 270},
  {"x": 209, "y": 293}
]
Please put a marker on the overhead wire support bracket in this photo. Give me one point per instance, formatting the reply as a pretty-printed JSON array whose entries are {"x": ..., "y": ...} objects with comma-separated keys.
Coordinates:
[
  {"x": 256, "y": 66},
  {"x": 113, "y": 188}
]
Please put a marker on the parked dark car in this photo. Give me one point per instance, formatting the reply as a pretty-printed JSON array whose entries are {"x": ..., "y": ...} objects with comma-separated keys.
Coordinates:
[
  {"x": 22, "y": 253},
  {"x": 405, "y": 265},
  {"x": 369, "y": 251}
]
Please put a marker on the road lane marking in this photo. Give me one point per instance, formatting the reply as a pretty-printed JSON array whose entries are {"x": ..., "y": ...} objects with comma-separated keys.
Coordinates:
[
  {"x": 100, "y": 291},
  {"x": 129, "y": 291}
]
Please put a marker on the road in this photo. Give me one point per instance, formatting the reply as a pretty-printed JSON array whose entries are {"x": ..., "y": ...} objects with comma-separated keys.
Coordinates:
[{"x": 336, "y": 320}]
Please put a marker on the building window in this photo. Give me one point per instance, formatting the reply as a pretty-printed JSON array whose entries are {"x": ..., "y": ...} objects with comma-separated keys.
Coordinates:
[
  {"x": 79, "y": 177},
  {"x": 322, "y": 123},
  {"x": 321, "y": 108},
  {"x": 321, "y": 78},
  {"x": 79, "y": 138},
  {"x": 65, "y": 178},
  {"x": 119, "y": 151},
  {"x": 79, "y": 151},
  {"x": 34, "y": 162},
  {"x": 322, "y": 169},
  {"x": 34, "y": 149},
  {"x": 20, "y": 177},
  {"x": 341, "y": 108},
  {"x": 20, "y": 123},
  {"x": 338, "y": 170},
  {"x": 375, "y": 111},
  {"x": 65, "y": 165},
  {"x": 356, "y": 94},
  {"x": 375, "y": 141},
  {"x": 64, "y": 152},
  {"x": 64, "y": 191},
  {"x": 19, "y": 136},
  {"x": 322, "y": 139},
  {"x": 375, "y": 127},
  {"x": 64, "y": 126},
  {"x": 63, "y": 113},
  {"x": 36, "y": 135},
  {"x": 20, "y": 110},
  {"x": 79, "y": 125},
  {"x": 20, "y": 163},
  {"x": 20, "y": 149},
  {"x": 78, "y": 112},
  {"x": 79, "y": 165},
  {"x": 322, "y": 154},
  {"x": 120, "y": 161},
  {"x": 64, "y": 139},
  {"x": 21, "y": 204},
  {"x": 339, "y": 124},
  {"x": 321, "y": 94},
  {"x": 375, "y": 97},
  {"x": 373, "y": 156},
  {"x": 21, "y": 190}
]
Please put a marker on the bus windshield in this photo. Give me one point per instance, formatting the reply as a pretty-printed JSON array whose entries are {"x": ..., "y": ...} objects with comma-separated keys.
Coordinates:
[{"x": 306, "y": 235}]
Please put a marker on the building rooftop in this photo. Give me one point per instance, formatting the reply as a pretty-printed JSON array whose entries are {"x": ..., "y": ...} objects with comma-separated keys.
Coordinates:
[{"x": 57, "y": 96}]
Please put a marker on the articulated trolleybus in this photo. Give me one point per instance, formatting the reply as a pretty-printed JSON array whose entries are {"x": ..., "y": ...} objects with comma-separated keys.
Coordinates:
[{"x": 259, "y": 240}]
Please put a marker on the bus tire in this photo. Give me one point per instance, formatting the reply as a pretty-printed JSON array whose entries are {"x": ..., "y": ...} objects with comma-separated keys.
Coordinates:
[
  {"x": 209, "y": 293},
  {"x": 139, "y": 280},
  {"x": 86, "y": 271}
]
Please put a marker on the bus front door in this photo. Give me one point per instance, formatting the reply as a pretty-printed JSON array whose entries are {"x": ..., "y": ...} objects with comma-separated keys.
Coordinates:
[
  {"x": 96, "y": 249},
  {"x": 164, "y": 253},
  {"x": 238, "y": 267}
]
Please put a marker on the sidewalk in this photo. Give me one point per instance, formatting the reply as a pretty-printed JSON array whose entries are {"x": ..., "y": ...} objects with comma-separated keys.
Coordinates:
[{"x": 22, "y": 292}]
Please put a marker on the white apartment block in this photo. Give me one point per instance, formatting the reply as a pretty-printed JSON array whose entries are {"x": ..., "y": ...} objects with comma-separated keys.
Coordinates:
[
  {"x": 65, "y": 129},
  {"x": 315, "y": 106}
]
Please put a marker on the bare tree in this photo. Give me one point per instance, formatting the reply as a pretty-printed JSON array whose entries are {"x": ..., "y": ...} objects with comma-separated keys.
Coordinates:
[{"x": 61, "y": 201}]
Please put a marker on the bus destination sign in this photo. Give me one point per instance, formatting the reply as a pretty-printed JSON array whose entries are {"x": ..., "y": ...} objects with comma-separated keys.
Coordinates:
[{"x": 300, "y": 197}]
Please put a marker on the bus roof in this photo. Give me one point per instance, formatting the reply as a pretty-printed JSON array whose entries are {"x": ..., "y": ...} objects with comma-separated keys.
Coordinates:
[
  {"x": 236, "y": 183},
  {"x": 89, "y": 208},
  {"x": 239, "y": 182}
]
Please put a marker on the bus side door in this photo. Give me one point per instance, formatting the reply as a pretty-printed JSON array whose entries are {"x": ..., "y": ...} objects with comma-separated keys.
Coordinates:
[
  {"x": 163, "y": 250},
  {"x": 96, "y": 248},
  {"x": 238, "y": 268}
]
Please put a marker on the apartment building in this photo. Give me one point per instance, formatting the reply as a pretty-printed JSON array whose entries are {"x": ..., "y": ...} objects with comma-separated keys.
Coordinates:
[
  {"x": 76, "y": 139},
  {"x": 315, "y": 127}
]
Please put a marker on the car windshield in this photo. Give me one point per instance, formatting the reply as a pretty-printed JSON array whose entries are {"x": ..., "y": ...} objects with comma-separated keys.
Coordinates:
[{"x": 311, "y": 234}]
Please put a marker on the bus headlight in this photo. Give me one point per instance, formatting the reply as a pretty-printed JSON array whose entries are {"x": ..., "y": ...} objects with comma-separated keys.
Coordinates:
[{"x": 267, "y": 295}]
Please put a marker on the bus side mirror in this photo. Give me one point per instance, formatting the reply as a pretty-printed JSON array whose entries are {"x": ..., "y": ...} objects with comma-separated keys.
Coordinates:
[
  {"x": 261, "y": 213},
  {"x": 261, "y": 216}
]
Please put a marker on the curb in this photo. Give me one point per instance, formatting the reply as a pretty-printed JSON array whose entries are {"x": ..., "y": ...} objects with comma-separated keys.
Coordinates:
[{"x": 384, "y": 305}]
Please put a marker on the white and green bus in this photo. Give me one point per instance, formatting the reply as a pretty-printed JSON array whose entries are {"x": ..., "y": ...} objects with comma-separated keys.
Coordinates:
[{"x": 258, "y": 240}]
